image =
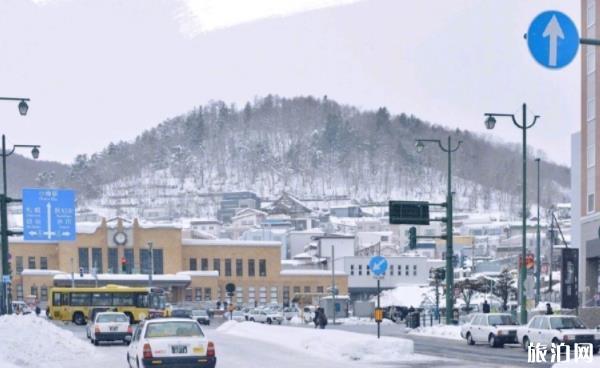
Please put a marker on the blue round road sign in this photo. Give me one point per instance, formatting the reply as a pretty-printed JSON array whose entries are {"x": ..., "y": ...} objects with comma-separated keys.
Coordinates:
[
  {"x": 553, "y": 39},
  {"x": 378, "y": 265}
]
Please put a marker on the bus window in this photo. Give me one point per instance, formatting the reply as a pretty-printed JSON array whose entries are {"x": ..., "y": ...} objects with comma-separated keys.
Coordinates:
[
  {"x": 81, "y": 299},
  {"x": 142, "y": 301},
  {"x": 157, "y": 301},
  {"x": 102, "y": 299},
  {"x": 123, "y": 299},
  {"x": 56, "y": 299}
]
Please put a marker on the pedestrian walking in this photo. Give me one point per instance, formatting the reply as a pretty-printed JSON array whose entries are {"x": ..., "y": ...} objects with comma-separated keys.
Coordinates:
[
  {"x": 549, "y": 310},
  {"x": 317, "y": 317},
  {"x": 322, "y": 319},
  {"x": 486, "y": 306},
  {"x": 37, "y": 310}
]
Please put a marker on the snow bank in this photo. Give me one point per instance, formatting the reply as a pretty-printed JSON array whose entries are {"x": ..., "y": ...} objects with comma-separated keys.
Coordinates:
[
  {"x": 30, "y": 341},
  {"x": 405, "y": 295},
  {"x": 579, "y": 364},
  {"x": 441, "y": 331},
  {"x": 354, "y": 321},
  {"x": 326, "y": 344},
  {"x": 296, "y": 320}
]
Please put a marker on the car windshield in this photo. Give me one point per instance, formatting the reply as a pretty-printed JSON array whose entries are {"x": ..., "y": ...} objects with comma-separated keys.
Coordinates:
[
  {"x": 182, "y": 313},
  {"x": 500, "y": 320},
  {"x": 173, "y": 329},
  {"x": 157, "y": 301},
  {"x": 111, "y": 318},
  {"x": 199, "y": 312},
  {"x": 560, "y": 323}
]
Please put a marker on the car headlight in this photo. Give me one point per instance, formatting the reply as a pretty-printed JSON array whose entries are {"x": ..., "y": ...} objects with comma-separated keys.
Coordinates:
[
  {"x": 568, "y": 337},
  {"x": 500, "y": 333}
]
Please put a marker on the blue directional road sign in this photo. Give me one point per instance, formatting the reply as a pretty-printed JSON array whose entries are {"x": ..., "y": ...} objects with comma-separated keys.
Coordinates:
[
  {"x": 49, "y": 214},
  {"x": 378, "y": 266},
  {"x": 553, "y": 39}
]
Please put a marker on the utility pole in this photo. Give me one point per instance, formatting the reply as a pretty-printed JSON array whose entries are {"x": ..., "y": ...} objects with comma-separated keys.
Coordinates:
[
  {"x": 150, "y": 275},
  {"x": 538, "y": 256},
  {"x": 551, "y": 251},
  {"x": 333, "y": 280},
  {"x": 72, "y": 274}
]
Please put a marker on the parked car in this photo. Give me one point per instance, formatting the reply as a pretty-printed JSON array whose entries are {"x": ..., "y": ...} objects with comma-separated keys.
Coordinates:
[
  {"x": 109, "y": 326},
  {"x": 20, "y": 307},
  {"x": 181, "y": 313},
  {"x": 290, "y": 312},
  {"x": 172, "y": 342},
  {"x": 265, "y": 316},
  {"x": 201, "y": 316},
  {"x": 496, "y": 329},
  {"x": 308, "y": 313},
  {"x": 237, "y": 316},
  {"x": 548, "y": 329},
  {"x": 246, "y": 312}
]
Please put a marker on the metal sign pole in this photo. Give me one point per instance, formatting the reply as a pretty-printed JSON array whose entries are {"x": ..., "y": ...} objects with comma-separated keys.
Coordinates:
[{"x": 378, "y": 308}]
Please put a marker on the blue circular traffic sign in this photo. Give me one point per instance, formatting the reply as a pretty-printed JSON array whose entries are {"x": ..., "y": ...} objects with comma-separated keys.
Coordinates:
[
  {"x": 378, "y": 265},
  {"x": 553, "y": 39}
]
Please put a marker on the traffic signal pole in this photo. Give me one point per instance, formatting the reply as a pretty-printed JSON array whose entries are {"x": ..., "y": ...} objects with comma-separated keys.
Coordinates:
[{"x": 449, "y": 245}]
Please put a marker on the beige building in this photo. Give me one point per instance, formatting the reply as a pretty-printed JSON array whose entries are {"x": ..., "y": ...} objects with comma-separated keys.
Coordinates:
[{"x": 192, "y": 270}]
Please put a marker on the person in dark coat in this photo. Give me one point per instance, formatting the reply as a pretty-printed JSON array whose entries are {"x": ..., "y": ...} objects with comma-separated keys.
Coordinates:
[
  {"x": 322, "y": 319},
  {"x": 37, "y": 310},
  {"x": 486, "y": 306},
  {"x": 549, "y": 310},
  {"x": 317, "y": 317}
]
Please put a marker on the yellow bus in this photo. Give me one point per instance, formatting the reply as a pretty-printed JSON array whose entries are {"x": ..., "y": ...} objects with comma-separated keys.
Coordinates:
[{"x": 80, "y": 303}]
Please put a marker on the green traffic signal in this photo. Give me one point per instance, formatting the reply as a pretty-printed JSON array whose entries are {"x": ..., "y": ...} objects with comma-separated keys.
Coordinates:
[{"x": 412, "y": 237}]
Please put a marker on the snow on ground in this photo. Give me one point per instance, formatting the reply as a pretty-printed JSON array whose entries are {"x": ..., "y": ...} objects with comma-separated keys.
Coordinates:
[
  {"x": 327, "y": 344},
  {"x": 441, "y": 331},
  {"x": 30, "y": 341},
  {"x": 579, "y": 364},
  {"x": 405, "y": 295},
  {"x": 354, "y": 321}
]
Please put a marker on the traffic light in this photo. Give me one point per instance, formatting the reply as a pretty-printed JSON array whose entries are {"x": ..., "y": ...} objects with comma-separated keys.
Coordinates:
[
  {"x": 412, "y": 237},
  {"x": 80, "y": 271},
  {"x": 123, "y": 264}
]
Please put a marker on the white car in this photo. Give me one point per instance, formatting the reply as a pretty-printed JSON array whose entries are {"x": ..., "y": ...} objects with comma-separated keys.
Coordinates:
[
  {"x": 110, "y": 326},
  {"x": 170, "y": 342},
  {"x": 290, "y": 312},
  {"x": 548, "y": 329},
  {"x": 236, "y": 315},
  {"x": 265, "y": 316},
  {"x": 496, "y": 329}
]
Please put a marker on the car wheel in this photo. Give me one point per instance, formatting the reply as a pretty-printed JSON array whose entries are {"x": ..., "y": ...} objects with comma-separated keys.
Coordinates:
[
  {"x": 78, "y": 319},
  {"x": 470, "y": 340},
  {"x": 91, "y": 340},
  {"x": 269, "y": 321},
  {"x": 251, "y": 319},
  {"x": 525, "y": 343},
  {"x": 597, "y": 350},
  {"x": 492, "y": 341},
  {"x": 96, "y": 342}
]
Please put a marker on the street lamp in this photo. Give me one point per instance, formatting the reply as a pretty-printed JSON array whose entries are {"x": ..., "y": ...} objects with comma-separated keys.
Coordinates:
[
  {"x": 490, "y": 122},
  {"x": 5, "y": 297},
  {"x": 419, "y": 144}
]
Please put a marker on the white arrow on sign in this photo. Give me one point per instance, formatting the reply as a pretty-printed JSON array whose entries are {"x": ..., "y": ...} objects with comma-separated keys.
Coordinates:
[
  {"x": 553, "y": 32},
  {"x": 49, "y": 213},
  {"x": 377, "y": 266},
  {"x": 33, "y": 233}
]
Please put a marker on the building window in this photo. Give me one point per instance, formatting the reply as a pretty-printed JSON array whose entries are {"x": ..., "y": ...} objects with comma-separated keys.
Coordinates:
[
  {"x": 228, "y": 267},
  {"x": 399, "y": 270},
  {"x": 84, "y": 259},
  {"x": 368, "y": 270},
  {"x": 286, "y": 296},
  {"x": 391, "y": 270},
  {"x": 251, "y": 267},
  {"x": 274, "y": 296},
  {"x": 44, "y": 294},
  {"x": 145, "y": 261},
  {"x": 193, "y": 266},
  {"x": 262, "y": 267},
  {"x": 414, "y": 270},
  {"x": 385, "y": 238},
  {"x": 130, "y": 259},
  {"x": 188, "y": 294},
  {"x": 320, "y": 289},
  {"x": 351, "y": 270},
  {"x": 204, "y": 264},
  {"x": 591, "y": 188},
  {"x": 198, "y": 292},
  {"x": 19, "y": 264},
  {"x": 296, "y": 289},
  {"x": 591, "y": 13},
  {"x": 31, "y": 263},
  {"x": 43, "y": 263},
  {"x": 97, "y": 259},
  {"x": 19, "y": 292},
  {"x": 307, "y": 289},
  {"x": 113, "y": 260},
  {"x": 359, "y": 270},
  {"x": 207, "y": 296},
  {"x": 239, "y": 267},
  {"x": 217, "y": 265},
  {"x": 34, "y": 291},
  {"x": 406, "y": 271},
  {"x": 590, "y": 203},
  {"x": 158, "y": 261}
]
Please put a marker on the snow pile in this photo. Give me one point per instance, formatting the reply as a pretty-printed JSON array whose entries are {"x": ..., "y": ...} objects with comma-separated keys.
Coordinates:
[
  {"x": 296, "y": 320},
  {"x": 326, "y": 344},
  {"x": 29, "y": 341},
  {"x": 582, "y": 363},
  {"x": 441, "y": 331},
  {"x": 354, "y": 321},
  {"x": 405, "y": 295}
]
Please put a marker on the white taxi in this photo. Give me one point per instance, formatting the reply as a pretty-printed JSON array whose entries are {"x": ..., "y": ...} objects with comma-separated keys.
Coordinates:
[
  {"x": 110, "y": 326},
  {"x": 496, "y": 329},
  {"x": 549, "y": 329},
  {"x": 170, "y": 342}
]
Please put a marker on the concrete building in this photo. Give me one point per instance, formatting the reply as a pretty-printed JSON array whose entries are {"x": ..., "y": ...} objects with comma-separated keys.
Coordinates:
[{"x": 189, "y": 269}]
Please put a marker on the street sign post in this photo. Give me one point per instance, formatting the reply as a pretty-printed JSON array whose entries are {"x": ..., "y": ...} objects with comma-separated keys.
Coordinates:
[
  {"x": 553, "y": 39},
  {"x": 378, "y": 265},
  {"x": 49, "y": 215}
]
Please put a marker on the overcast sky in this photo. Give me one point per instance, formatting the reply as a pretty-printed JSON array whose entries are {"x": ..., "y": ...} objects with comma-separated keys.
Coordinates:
[{"x": 104, "y": 70}]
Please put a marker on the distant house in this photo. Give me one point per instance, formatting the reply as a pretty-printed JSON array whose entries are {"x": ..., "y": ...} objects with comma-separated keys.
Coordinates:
[
  {"x": 210, "y": 226},
  {"x": 245, "y": 219},
  {"x": 346, "y": 211},
  {"x": 231, "y": 203},
  {"x": 298, "y": 212}
]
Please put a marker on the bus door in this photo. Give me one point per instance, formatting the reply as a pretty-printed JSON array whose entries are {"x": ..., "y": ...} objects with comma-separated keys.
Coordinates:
[{"x": 60, "y": 306}]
